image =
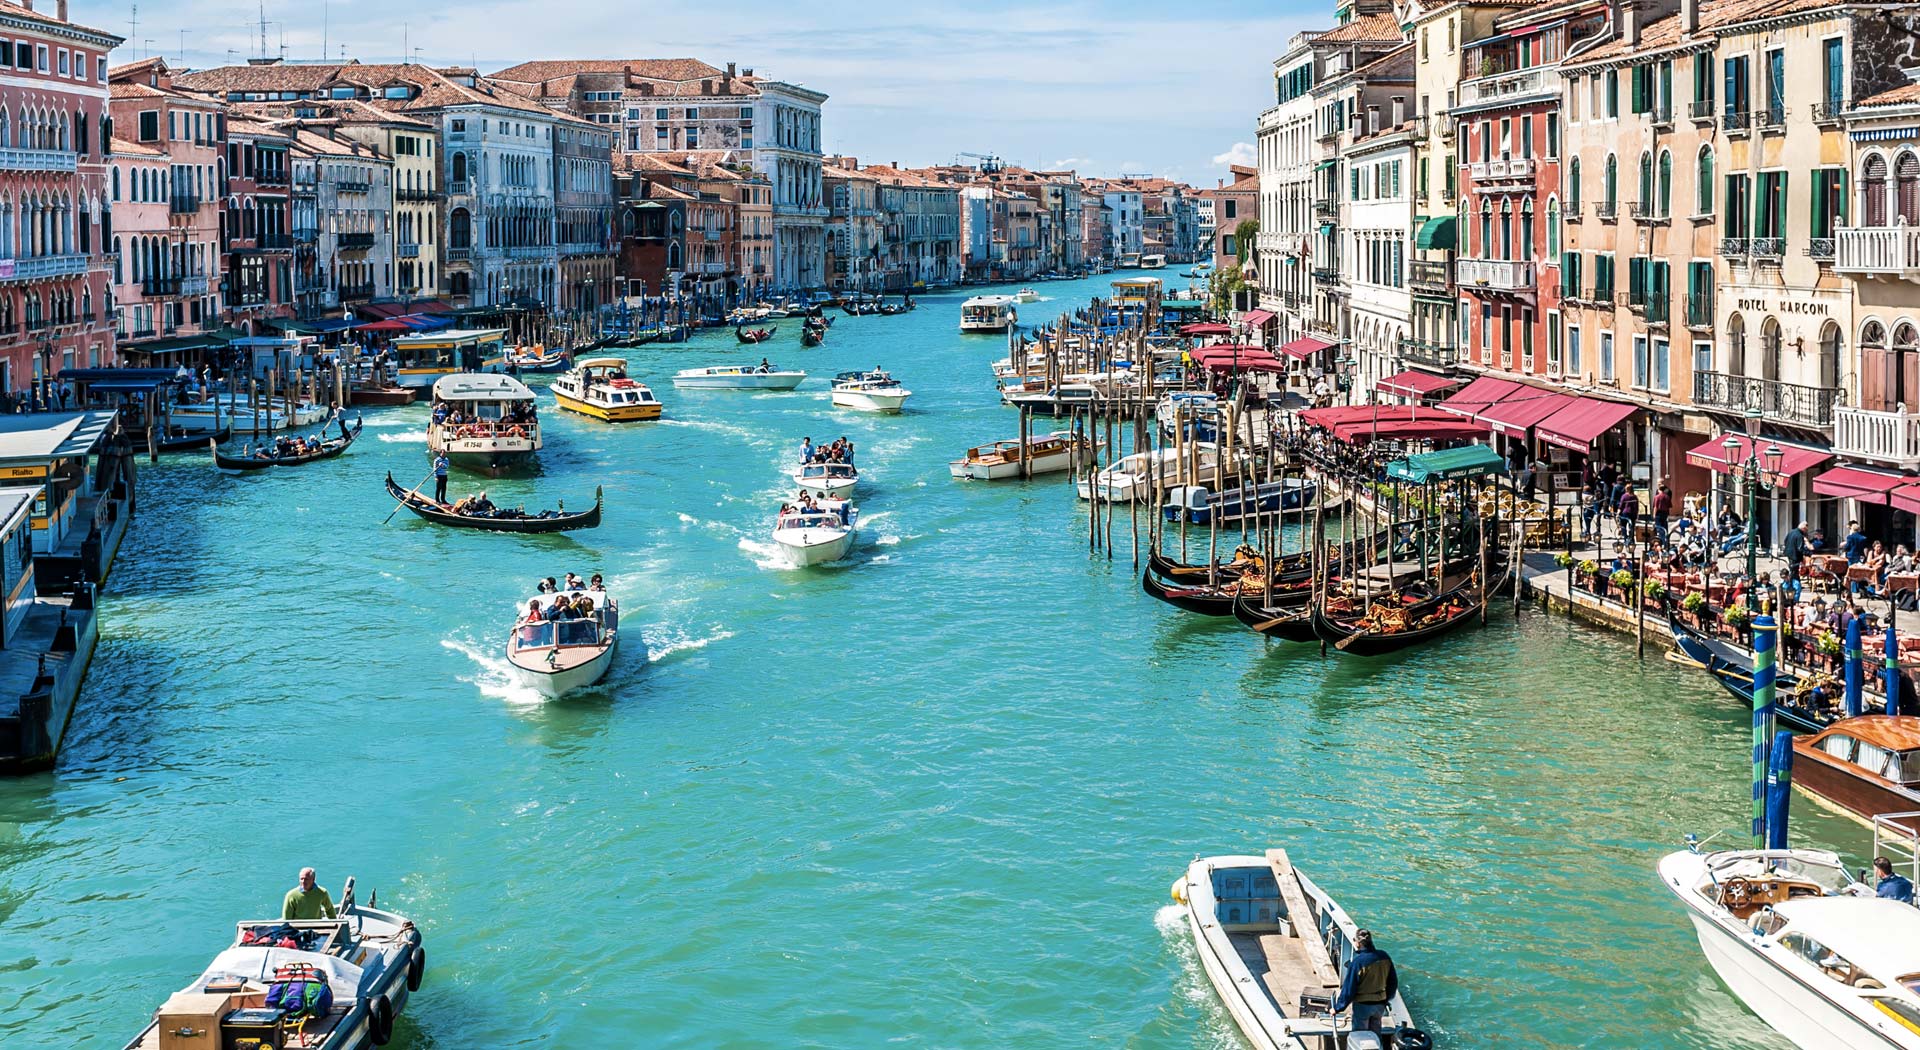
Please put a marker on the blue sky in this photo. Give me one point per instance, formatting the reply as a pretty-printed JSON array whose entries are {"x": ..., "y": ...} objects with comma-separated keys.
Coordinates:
[{"x": 1103, "y": 87}]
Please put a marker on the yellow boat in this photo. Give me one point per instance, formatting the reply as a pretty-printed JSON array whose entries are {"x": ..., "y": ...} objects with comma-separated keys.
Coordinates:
[{"x": 599, "y": 387}]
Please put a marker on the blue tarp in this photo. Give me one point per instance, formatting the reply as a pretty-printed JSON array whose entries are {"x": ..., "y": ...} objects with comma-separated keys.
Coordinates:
[{"x": 335, "y": 324}]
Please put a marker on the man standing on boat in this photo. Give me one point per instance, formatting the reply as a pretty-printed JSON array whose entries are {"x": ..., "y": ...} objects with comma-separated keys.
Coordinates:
[
  {"x": 1889, "y": 885},
  {"x": 307, "y": 900},
  {"x": 1369, "y": 984},
  {"x": 440, "y": 465}
]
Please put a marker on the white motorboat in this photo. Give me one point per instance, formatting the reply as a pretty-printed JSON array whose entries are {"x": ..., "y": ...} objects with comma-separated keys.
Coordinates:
[
  {"x": 871, "y": 391},
  {"x": 368, "y": 960},
  {"x": 738, "y": 377},
  {"x": 563, "y": 651},
  {"x": 1063, "y": 399},
  {"x": 988, "y": 313},
  {"x": 827, "y": 479},
  {"x": 1806, "y": 947},
  {"x": 1026, "y": 295},
  {"x": 217, "y": 417},
  {"x": 1134, "y": 476},
  {"x": 1275, "y": 948},
  {"x": 1046, "y": 454},
  {"x": 815, "y": 535}
]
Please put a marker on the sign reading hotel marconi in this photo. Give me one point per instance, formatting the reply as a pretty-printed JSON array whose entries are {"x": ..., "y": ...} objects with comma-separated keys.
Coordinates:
[{"x": 1784, "y": 306}]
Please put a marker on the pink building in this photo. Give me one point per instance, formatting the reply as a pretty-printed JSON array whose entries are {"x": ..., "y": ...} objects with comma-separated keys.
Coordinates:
[
  {"x": 1233, "y": 203},
  {"x": 55, "y": 225}
]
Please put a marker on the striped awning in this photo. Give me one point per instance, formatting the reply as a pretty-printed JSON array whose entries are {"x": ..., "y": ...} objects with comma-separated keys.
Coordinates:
[{"x": 1884, "y": 134}]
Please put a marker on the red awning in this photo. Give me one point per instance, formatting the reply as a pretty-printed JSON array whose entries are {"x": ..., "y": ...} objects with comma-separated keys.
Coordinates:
[
  {"x": 391, "y": 324},
  {"x": 1522, "y": 411},
  {"x": 1478, "y": 396},
  {"x": 1256, "y": 318},
  {"x": 1226, "y": 350},
  {"x": 1205, "y": 328},
  {"x": 1712, "y": 454},
  {"x": 1415, "y": 384},
  {"x": 1576, "y": 426},
  {"x": 1247, "y": 363},
  {"x": 1338, "y": 414},
  {"x": 1429, "y": 429},
  {"x": 1906, "y": 497},
  {"x": 1867, "y": 486},
  {"x": 1306, "y": 346}
]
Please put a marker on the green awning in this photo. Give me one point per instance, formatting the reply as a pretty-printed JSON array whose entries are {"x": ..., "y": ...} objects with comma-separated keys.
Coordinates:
[
  {"x": 1326, "y": 229},
  {"x": 1468, "y": 461},
  {"x": 1435, "y": 233},
  {"x": 172, "y": 346},
  {"x": 1325, "y": 164},
  {"x": 291, "y": 326},
  {"x": 1181, "y": 305}
]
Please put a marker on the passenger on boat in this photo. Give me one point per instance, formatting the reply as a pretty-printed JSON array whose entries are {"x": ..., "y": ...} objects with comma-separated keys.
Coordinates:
[
  {"x": 596, "y": 585},
  {"x": 1889, "y": 885},
  {"x": 548, "y": 586},
  {"x": 806, "y": 450},
  {"x": 307, "y": 900},
  {"x": 765, "y": 367},
  {"x": 533, "y": 611},
  {"x": 561, "y": 608},
  {"x": 440, "y": 412},
  {"x": 573, "y": 582},
  {"x": 1369, "y": 984}
]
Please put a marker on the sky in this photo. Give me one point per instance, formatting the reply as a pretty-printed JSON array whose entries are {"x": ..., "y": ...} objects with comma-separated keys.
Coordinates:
[{"x": 1119, "y": 87}]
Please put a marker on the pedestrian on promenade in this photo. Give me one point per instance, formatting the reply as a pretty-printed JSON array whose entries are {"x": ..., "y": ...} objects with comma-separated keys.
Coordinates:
[
  {"x": 1856, "y": 543},
  {"x": 1629, "y": 508},
  {"x": 440, "y": 465},
  {"x": 1795, "y": 548},
  {"x": 1662, "y": 509},
  {"x": 1590, "y": 518}
]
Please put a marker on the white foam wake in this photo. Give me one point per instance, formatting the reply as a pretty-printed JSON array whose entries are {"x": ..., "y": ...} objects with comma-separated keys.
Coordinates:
[
  {"x": 657, "y": 653},
  {"x": 410, "y": 439},
  {"x": 494, "y": 676}
]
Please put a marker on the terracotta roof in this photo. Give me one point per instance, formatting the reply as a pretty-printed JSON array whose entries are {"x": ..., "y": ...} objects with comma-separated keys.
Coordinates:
[
  {"x": 30, "y": 15},
  {"x": 649, "y": 68},
  {"x": 1901, "y": 95},
  {"x": 435, "y": 90},
  {"x": 1664, "y": 32},
  {"x": 121, "y": 147},
  {"x": 1365, "y": 28},
  {"x": 333, "y": 110},
  {"x": 660, "y": 162}
]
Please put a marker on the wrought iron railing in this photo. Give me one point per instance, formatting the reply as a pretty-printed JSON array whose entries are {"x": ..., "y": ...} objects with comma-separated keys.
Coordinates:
[{"x": 1792, "y": 403}]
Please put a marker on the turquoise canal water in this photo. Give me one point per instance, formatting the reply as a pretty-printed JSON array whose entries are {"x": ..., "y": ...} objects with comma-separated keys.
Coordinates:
[{"x": 932, "y": 797}]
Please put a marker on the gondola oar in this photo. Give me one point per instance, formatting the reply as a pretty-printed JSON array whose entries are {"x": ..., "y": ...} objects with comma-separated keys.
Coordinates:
[{"x": 410, "y": 495}]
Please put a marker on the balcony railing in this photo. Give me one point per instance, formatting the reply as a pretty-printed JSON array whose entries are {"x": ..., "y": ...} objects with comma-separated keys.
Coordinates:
[
  {"x": 407, "y": 251},
  {"x": 1505, "y": 274},
  {"x": 353, "y": 186},
  {"x": 38, "y": 160},
  {"x": 1890, "y": 250},
  {"x": 1700, "y": 308},
  {"x": 1736, "y": 121},
  {"x": 355, "y": 242},
  {"x": 1431, "y": 272},
  {"x": 1791, "y": 403},
  {"x": 1767, "y": 248},
  {"x": 1772, "y": 120},
  {"x": 1325, "y": 209},
  {"x": 183, "y": 203},
  {"x": 1820, "y": 249},
  {"x": 1655, "y": 309},
  {"x": 1736, "y": 248},
  {"x": 1828, "y": 112},
  {"x": 42, "y": 266},
  {"x": 270, "y": 178},
  {"x": 415, "y": 195},
  {"x": 1643, "y": 213},
  {"x": 355, "y": 291},
  {"x": 274, "y": 242},
  {"x": 1701, "y": 109},
  {"x": 459, "y": 253},
  {"x": 1539, "y": 80},
  {"x": 1606, "y": 211},
  {"x": 1884, "y": 437},
  {"x": 157, "y": 287},
  {"x": 1437, "y": 355},
  {"x": 194, "y": 285}
]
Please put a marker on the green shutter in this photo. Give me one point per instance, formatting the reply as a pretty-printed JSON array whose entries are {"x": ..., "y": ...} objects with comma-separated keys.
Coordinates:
[
  {"x": 1780, "y": 207},
  {"x": 1840, "y": 198},
  {"x": 1820, "y": 227},
  {"x": 1640, "y": 89}
]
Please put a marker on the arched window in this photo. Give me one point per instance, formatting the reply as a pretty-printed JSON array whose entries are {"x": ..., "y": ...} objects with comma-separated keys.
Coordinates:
[
  {"x": 459, "y": 229},
  {"x": 1486, "y": 229},
  {"x": 1573, "y": 187},
  {"x": 459, "y": 167},
  {"x": 1830, "y": 337},
  {"x": 1526, "y": 229},
  {"x": 1553, "y": 230},
  {"x": 1770, "y": 349},
  {"x": 1736, "y": 345},
  {"x": 1610, "y": 183},
  {"x": 1873, "y": 190},
  {"x": 1663, "y": 186},
  {"x": 116, "y": 184},
  {"x": 1646, "y": 182},
  {"x": 1506, "y": 229},
  {"x": 1906, "y": 187},
  {"x": 1906, "y": 377},
  {"x": 1703, "y": 185}
]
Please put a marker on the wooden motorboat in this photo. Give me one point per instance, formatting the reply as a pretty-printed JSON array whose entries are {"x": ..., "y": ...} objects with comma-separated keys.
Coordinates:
[
  {"x": 1275, "y": 946},
  {"x": 370, "y": 961},
  {"x": 756, "y": 335},
  {"x": 869, "y": 391},
  {"x": 490, "y": 424},
  {"x": 815, "y": 535},
  {"x": 538, "y": 359},
  {"x": 1866, "y": 765},
  {"x": 382, "y": 395},
  {"x": 268, "y": 456},
  {"x": 564, "y": 651},
  {"x": 598, "y": 387},
  {"x": 499, "y": 521},
  {"x": 1046, "y": 454}
]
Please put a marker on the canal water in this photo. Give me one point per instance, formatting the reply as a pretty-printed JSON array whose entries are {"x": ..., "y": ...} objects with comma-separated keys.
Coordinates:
[{"x": 933, "y": 796}]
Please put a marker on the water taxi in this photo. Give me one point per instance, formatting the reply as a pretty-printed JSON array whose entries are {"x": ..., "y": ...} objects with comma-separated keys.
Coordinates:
[
  {"x": 599, "y": 387},
  {"x": 1276, "y": 947},
  {"x": 871, "y": 391},
  {"x": 484, "y": 422},
  {"x": 988, "y": 313},
  {"x": 564, "y": 649},
  {"x": 827, "y": 479},
  {"x": 1804, "y": 945},
  {"x": 537, "y": 359},
  {"x": 1866, "y": 766},
  {"x": 1133, "y": 477},
  {"x": 812, "y": 535},
  {"x": 1153, "y": 261},
  {"x": 420, "y": 361},
  {"x": 1046, "y": 454},
  {"x": 1200, "y": 506},
  {"x": 738, "y": 377},
  {"x": 1026, "y": 295},
  {"x": 1060, "y": 400},
  {"x": 343, "y": 981}
]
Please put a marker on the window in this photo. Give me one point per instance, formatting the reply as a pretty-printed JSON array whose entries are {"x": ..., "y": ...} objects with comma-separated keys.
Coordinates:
[
  {"x": 149, "y": 125},
  {"x": 1703, "y": 183},
  {"x": 23, "y": 56},
  {"x": 1610, "y": 184},
  {"x": 1663, "y": 185},
  {"x": 1776, "y": 88},
  {"x": 1835, "y": 80},
  {"x": 1662, "y": 372},
  {"x": 1573, "y": 349},
  {"x": 1613, "y": 94},
  {"x": 63, "y": 62},
  {"x": 1640, "y": 362},
  {"x": 1553, "y": 228},
  {"x": 1739, "y": 196},
  {"x": 1702, "y": 83},
  {"x": 1486, "y": 326},
  {"x": 1906, "y": 187},
  {"x": 1553, "y": 135},
  {"x": 1573, "y": 186},
  {"x": 1736, "y": 98},
  {"x": 1646, "y": 182},
  {"x": 1554, "y": 363},
  {"x": 1606, "y": 356},
  {"x": 41, "y": 54},
  {"x": 1829, "y": 201},
  {"x": 1770, "y": 214}
]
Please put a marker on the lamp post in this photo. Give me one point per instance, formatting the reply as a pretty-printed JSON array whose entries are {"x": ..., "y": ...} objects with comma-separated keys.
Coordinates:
[
  {"x": 1347, "y": 364},
  {"x": 1754, "y": 475}
]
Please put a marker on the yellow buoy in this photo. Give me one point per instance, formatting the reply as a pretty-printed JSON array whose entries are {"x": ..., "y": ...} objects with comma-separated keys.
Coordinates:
[{"x": 1179, "y": 891}]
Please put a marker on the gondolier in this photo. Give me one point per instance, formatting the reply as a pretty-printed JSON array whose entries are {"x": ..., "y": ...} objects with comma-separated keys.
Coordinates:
[
  {"x": 1369, "y": 985},
  {"x": 440, "y": 465}
]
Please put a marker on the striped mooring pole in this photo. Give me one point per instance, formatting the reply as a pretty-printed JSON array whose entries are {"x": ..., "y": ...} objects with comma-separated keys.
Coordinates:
[{"x": 1765, "y": 638}]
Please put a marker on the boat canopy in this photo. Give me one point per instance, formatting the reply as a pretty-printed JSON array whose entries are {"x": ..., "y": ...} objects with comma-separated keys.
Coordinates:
[
  {"x": 1878, "y": 936},
  {"x": 603, "y": 362},
  {"x": 480, "y": 386},
  {"x": 1467, "y": 461}
]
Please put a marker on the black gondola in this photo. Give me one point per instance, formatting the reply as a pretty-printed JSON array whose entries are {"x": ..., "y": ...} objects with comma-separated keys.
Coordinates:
[
  {"x": 188, "y": 442},
  {"x": 557, "y": 522},
  {"x": 1428, "y": 619},
  {"x": 811, "y": 336},
  {"x": 1291, "y": 624},
  {"x": 757, "y": 335},
  {"x": 1804, "y": 707},
  {"x": 328, "y": 450}
]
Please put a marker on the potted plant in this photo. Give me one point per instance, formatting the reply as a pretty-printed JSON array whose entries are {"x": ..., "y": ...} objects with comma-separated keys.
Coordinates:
[
  {"x": 1622, "y": 580},
  {"x": 1695, "y": 604},
  {"x": 1563, "y": 559},
  {"x": 1829, "y": 644},
  {"x": 1738, "y": 618},
  {"x": 1589, "y": 574},
  {"x": 1655, "y": 592}
]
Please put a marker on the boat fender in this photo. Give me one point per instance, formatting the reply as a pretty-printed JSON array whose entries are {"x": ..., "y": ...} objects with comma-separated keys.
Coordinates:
[
  {"x": 416, "y": 969},
  {"x": 1413, "y": 1039},
  {"x": 1179, "y": 891},
  {"x": 380, "y": 1020}
]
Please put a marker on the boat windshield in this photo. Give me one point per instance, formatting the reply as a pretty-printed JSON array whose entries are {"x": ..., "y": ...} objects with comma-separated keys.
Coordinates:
[
  {"x": 810, "y": 521},
  {"x": 537, "y": 635}
]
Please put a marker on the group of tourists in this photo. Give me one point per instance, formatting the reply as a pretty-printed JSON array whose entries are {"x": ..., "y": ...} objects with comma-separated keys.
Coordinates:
[
  {"x": 840, "y": 451},
  {"x": 289, "y": 447},
  {"x": 806, "y": 503},
  {"x": 574, "y": 602},
  {"x": 519, "y": 416}
]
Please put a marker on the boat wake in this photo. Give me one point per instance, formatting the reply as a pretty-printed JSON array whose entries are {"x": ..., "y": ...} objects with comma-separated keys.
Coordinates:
[
  {"x": 682, "y": 644},
  {"x": 1191, "y": 986},
  {"x": 389, "y": 421},
  {"x": 398, "y": 439},
  {"x": 748, "y": 436},
  {"x": 765, "y": 555},
  {"x": 493, "y": 677}
]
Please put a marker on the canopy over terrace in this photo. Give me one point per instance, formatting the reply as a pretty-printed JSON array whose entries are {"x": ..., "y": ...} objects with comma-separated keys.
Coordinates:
[
  {"x": 1714, "y": 455},
  {"x": 1448, "y": 464},
  {"x": 1414, "y": 384},
  {"x": 1857, "y": 483},
  {"x": 1205, "y": 328},
  {"x": 1478, "y": 396},
  {"x": 1523, "y": 410},
  {"x": 1339, "y": 414},
  {"x": 1429, "y": 429},
  {"x": 1577, "y": 426},
  {"x": 1305, "y": 347}
]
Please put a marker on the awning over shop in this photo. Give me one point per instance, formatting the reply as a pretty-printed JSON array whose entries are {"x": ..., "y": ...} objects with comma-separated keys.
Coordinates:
[
  {"x": 1867, "y": 486},
  {"x": 1256, "y": 318},
  {"x": 1338, "y": 414},
  {"x": 1429, "y": 429},
  {"x": 382, "y": 311},
  {"x": 290, "y": 326},
  {"x": 1577, "y": 425},
  {"x": 1712, "y": 454},
  {"x": 1467, "y": 461},
  {"x": 1205, "y": 328},
  {"x": 1306, "y": 346},
  {"x": 1478, "y": 396},
  {"x": 1906, "y": 497},
  {"x": 1415, "y": 384},
  {"x": 1435, "y": 234},
  {"x": 176, "y": 345},
  {"x": 1246, "y": 363},
  {"x": 1522, "y": 411},
  {"x": 1227, "y": 350},
  {"x": 1325, "y": 164},
  {"x": 391, "y": 324}
]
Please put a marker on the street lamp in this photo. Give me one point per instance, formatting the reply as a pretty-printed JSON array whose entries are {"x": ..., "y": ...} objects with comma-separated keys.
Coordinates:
[{"x": 1754, "y": 474}]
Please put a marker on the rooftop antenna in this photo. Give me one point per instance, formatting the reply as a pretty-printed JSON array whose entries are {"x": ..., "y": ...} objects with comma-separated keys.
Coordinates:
[
  {"x": 326, "y": 15},
  {"x": 183, "y": 47},
  {"x": 133, "y": 24},
  {"x": 263, "y": 28}
]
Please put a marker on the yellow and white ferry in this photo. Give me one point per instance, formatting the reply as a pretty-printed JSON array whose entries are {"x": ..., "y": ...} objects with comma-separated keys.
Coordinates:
[{"x": 599, "y": 387}]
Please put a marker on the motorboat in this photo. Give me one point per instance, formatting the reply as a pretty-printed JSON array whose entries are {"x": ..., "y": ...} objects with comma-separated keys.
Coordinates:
[
  {"x": 344, "y": 981},
  {"x": 1134, "y": 477},
  {"x": 827, "y": 479},
  {"x": 738, "y": 377},
  {"x": 1046, "y": 454},
  {"x": 813, "y": 535},
  {"x": 1200, "y": 506},
  {"x": 1026, "y": 295},
  {"x": 988, "y": 313},
  {"x": 598, "y": 387},
  {"x": 1804, "y": 945},
  {"x": 485, "y": 422},
  {"x": 1152, "y": 261},
  {"x": 1867, "y": 766},
  {"x": 1275, "y": 947},
  {"x": 563, "y": 652},
  {"x": 537, "y": 359},
  {"x": 871, "y": 391},
  {"x": 1062, "y": 399}
]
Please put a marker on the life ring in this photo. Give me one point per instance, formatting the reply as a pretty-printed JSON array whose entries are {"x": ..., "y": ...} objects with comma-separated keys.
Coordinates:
[
  {"x": 1413, "y": 1039},
  {"x": 416, "y": 969},
  {"x": 380, "y": 1020}
]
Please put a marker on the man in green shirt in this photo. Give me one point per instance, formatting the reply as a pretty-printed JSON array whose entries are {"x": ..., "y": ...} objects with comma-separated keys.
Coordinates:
[{"x": 307, "y": 901}]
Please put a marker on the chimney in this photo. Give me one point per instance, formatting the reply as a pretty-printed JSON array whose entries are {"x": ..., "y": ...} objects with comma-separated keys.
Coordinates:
[
  {"x": 1689, "y": 17},
  {"x": 1627, "y": 22},
  {"x": 1399, "y": 110},
  {"x": 61, "y": 10},
  {"x": 730, "y": 71}
]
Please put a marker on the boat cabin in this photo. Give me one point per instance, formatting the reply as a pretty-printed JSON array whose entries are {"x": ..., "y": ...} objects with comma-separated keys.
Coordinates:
[
  {"x": 827, "y": 472},
  {"x": 1865, "y": 949},
  {"x": 572, "y": 631},
  {"x": 422, "y": 360},
  {"x": 811, "y": 519},
  {"x": 867, "y": 380},
  {"x": 81, "y": 511},
  {"x": 988, "y": 313}
]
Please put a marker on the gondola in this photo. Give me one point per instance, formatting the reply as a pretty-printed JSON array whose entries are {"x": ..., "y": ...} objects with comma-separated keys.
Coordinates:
[
  {"x": 432, "y": 511},
  {"x": 1426, "y": 619},
  {"x": 811, "y": 336},
  {"x": 1216, "y": 599},
  {"x": 537, "y": 364},
  {"x": 1802, "y": 706},
  {"x": 328, "y": 450},
  {"x": 1291, "y": 624},
  {"x": 757, "y": 335}
]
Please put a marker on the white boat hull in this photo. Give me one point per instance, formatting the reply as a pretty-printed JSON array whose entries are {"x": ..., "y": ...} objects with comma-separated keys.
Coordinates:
[
  {"x": 804, "y": 547},
  {"x": 1051, "y": 463},
  {"x": 773, "y": 381},
  {"x": 870, "y": 400},
  {"x": 1812, "y": 1021},
  {"x": 556, "y": 684},
  {"x": 837, "y": 487}
]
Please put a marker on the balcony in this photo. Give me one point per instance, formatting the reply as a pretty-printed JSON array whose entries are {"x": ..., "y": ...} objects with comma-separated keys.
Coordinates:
[
  {"x": 407, "y": 251},
  {"x": 1891, "y": 251},
  {"x": 1701, "y": 109},
  {"x": 1828, "y": 112},
  {"x": 1700, "y": 308},
  {"x": 183, "y": 203},
  {"x": 270, "y": 178},
  {"x": 1510, "y": 275},
  {"x": 1772, "y": 120},
  {"x": 159, "y": 287},
  {"x": 1431, "y": 273},
  {"x": 1325, "y": 274},
  {"x": 416, "y": 196},
  {"x": 1642, "y": 213},
  {"x": 1820, "y": 249},
  {"x": 306, "y": 234},
  {"x": 1662, "y": 117},
  {"x": 1767, "y": 249},
  {"x": 1542, "y": 81},
  {"x": 355, "y": 242},
  {"x": 274, "y": 242},
  {"x": 1735, "y": 248},
  {"x": 355, "y": 292},
  {"x": 1433, "y": 355},
  {"x": 1656, "y": 309},
  {"x": 42, "y": 266},
  {"x": 353, "y": 186},
  {"x": 1325, "y": 209},
  {"x": 38, "y": 160},
  {"x": 195, "y": 285},
  {"x": 1883, "y": 437},
  {"x": 1789, "y": 403},
  {"x": 1736, "y": 121},
  {"x": 1606, "y": 211},
  {"x": 461, "y": 254},
  {"x": 1502, "y": 168}
]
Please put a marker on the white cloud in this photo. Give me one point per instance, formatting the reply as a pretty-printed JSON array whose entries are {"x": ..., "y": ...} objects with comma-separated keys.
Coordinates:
[
  {"x": 1071, "y": 162},
  {"x": 1242, "y": 153}
]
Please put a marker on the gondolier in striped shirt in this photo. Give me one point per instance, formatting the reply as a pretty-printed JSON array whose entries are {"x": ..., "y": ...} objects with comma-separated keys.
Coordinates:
[
  {"x": 1369, "y": 984},
  {"x": 440, "y": 465}
]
